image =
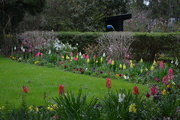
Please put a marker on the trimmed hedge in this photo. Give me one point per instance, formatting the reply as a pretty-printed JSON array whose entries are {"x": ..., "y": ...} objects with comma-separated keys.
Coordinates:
[
  {"x": 146, "y": 45},
  {"x": 149, "y": 45}
]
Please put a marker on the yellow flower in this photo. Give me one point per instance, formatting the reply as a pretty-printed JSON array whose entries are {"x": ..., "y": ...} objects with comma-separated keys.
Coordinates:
[
  {"x": 77, "y": 56},
  {"x": 31, "y": 107},
  {"x": 141, "y": 60},
  {"x": 164, "y": 92},
  {"x": 120, "y": 66},
  {"x": 154, "y": 63},
  {"x": 130, "y": 61},
  {"x": 50, "y": 108},
  {"x": 124, "y": 66},
  {"x": 146, "y": 69},
  {"x": 36, "y": 109},
  {"x": 141, "y": 70},
  {"x": 88, "y": 60},
  {"x": 152, "y": 67},
  {"x": 131, "y": 65},
  {"x": 36, "y": 62},
  {"x": 55, "y": 106},
  {"x": 101, "y": 59},
  {"x": 67, "y": 57},
  {"x": 112, "y": 63},
  {"x": 132, "y": 108}
]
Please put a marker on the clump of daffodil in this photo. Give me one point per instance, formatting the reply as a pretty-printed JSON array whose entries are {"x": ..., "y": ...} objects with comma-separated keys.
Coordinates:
[
  {"x": 33, "y": 108},
  {"x": 52, "y": 107},
  {"x": 36, "y": 62},
  {"x": 124, "y": 66},
  {"x": 132, "y": 108}
]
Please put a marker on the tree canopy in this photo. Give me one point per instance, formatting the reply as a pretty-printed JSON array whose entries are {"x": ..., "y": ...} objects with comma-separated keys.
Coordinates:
[{"x": 13, "y": 11}]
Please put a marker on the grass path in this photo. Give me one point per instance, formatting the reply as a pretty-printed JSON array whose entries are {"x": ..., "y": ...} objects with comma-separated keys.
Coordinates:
[{"x": 43, "y": 81}]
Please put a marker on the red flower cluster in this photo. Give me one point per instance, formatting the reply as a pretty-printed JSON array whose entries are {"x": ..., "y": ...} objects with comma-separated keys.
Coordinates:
[
  {"x": 24, "y": 89},
  {"x": 60, "y": 89},
  {"x": 135, "y": 90},
  {"x": 108, "y": 82}
]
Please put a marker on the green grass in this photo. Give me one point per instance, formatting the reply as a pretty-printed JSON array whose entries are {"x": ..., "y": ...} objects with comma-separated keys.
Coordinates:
[{"x": 43, "y": 80}]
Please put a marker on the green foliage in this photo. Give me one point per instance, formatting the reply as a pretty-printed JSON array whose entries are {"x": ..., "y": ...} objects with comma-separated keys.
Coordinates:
[
  {"x": 77, "y": 107},
  {"x": 149, "y": 45},
  {"x": 12, "y": 12},
  {"x": 72, "y": 15}
]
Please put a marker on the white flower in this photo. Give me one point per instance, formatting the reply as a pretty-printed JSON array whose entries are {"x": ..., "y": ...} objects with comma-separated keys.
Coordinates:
[
  {"x": 49, "y": 52},
  {"x": 15, "y": 48},
  {"x": 126, "y": 77},
  {"x": 176, "y": 62},
  {"x": 104, "y": 55},
  {"x": 172, "y": 61},
  {"x": 121, "y": 97}
]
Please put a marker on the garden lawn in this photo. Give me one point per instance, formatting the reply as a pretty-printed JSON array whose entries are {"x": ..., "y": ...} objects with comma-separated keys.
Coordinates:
[{"x": 43, "y": 82}]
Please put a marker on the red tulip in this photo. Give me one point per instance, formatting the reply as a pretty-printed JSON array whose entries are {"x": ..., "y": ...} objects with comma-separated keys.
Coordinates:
[
  {"x": 135, "y": 90},
  {"x": 60, "y": 89},
  {"x": 108, "y": 82},
  {"x": 24, "y": 89}
]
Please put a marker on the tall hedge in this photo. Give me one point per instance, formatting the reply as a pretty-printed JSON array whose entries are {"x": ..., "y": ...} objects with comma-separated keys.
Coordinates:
[{"x": 146, "y": 45}]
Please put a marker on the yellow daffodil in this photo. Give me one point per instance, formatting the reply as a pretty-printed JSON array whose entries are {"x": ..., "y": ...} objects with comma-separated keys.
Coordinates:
[
  {"x": 141, "y": 60},
  {"x": 88, "y": 60},
  {"x": 132, "y": 108},
  {"x": 50, "y": 108},
  {"x": 146, "y": 69},
  {"x": 141, "y": 70},
  {"x": 101, "y": 60},
  {"x": 124, "y": 66},
  {"x": 152, "y": 67},
  {"x": 154, "y": 63},
  {"x": 96, "y": 61},
  {"x": 36, "y": 62},
  {"x": 67, "y": 57},
  {"x": 112, "y": 63},
  {"x": 120, "y": 66},
  {"x": 131, "y": 65}
]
